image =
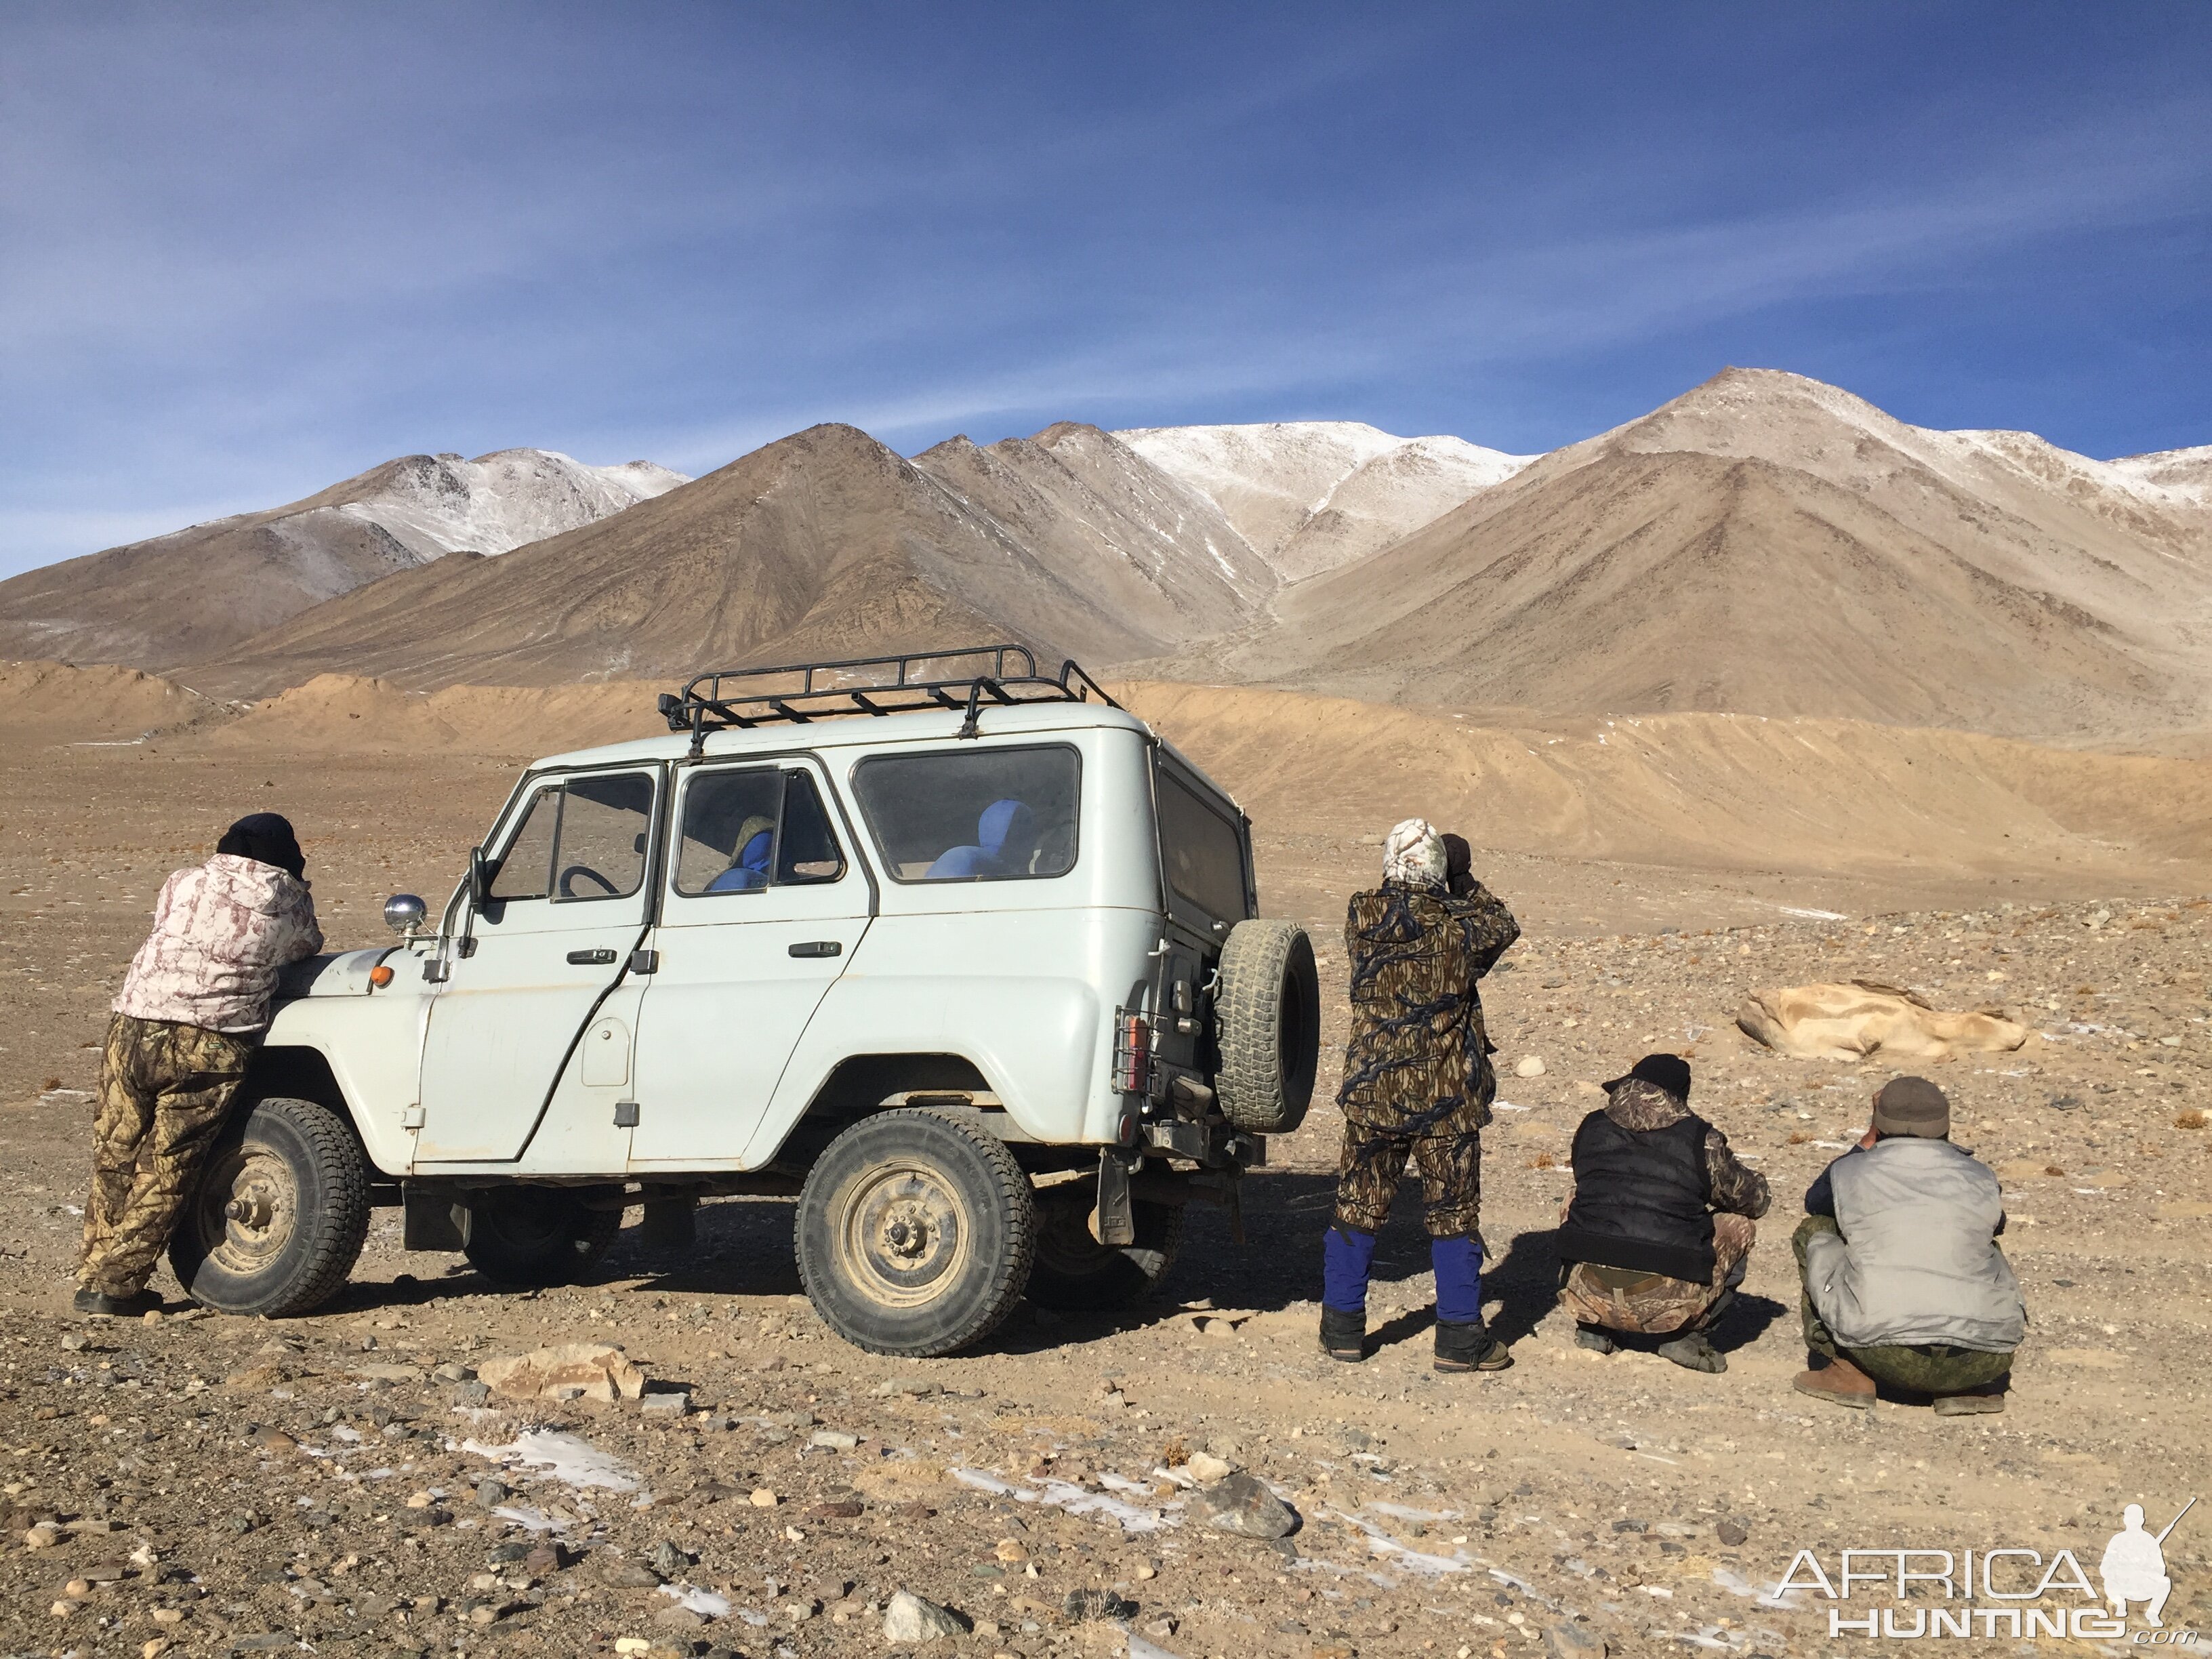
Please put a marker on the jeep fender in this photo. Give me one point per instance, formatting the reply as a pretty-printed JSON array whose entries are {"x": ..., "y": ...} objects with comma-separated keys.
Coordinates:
[{"x": 364, "y": 1050}]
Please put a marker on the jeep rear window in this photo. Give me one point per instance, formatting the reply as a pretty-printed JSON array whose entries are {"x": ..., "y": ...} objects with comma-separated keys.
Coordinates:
[
  {"x": 973, "y": 814},
  {"x": 1202, "y": 851}
]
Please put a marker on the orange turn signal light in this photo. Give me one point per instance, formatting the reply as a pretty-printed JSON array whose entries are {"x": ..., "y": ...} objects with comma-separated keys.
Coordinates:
[{"x": 379, "y": 975}]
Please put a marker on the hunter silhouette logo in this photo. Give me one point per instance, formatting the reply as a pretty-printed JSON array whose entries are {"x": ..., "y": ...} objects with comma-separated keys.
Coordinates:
[
  {"x": 2134, "y": 1566},
  {"x": 2005, "y": 1591}
]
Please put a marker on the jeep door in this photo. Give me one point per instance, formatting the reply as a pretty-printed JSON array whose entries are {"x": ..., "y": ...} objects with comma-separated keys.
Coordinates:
[
  {"x": 565, "y": 907},
  {"x": 764, "y": 905}
]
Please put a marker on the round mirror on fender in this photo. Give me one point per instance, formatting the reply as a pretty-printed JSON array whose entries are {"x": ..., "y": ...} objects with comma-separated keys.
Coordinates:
[{"x": 404, "y": 914}]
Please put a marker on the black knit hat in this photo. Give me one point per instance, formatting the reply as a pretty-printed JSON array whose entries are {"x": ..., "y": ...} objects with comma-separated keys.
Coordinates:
[
  {"x": 266, "y": 837},
  {"x": 1668, "y": 1072}
]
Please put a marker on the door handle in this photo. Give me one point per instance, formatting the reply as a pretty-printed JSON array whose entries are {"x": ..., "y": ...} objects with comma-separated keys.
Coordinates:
[
  {"x": 590, "y": 958},
  {"x": 818, "y": 947}
]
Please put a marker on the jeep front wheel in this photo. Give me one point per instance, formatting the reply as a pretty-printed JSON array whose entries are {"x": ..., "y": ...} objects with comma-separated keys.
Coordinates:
[
  {"x": 533, "y": 1237},
  {"x": 914, "y": 1234},
  {"x": 279, "y": 1217},
  {"x": 1075, "y": 1273}
]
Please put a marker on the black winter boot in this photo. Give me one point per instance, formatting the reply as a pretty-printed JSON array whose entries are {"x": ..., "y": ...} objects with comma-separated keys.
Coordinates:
[
  {"x": 1344, "y": 1335},
  {"x": 1470, "y": 1348}
]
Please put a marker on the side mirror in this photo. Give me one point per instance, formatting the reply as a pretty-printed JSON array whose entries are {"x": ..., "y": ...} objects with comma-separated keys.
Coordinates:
[
  {"x": 404, "y": 914},
  {"x": 479, "y": 878}
]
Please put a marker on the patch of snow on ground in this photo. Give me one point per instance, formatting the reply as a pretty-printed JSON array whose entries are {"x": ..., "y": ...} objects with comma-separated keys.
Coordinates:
[{"x": 567, "y": 1458}]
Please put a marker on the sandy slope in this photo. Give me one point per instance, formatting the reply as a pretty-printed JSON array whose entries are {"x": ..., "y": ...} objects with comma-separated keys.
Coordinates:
[{"x": 1686, "y": 791}]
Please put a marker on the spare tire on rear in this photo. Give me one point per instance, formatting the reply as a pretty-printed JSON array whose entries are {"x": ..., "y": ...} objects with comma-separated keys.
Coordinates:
[{"x": 1267, "y": 1010}]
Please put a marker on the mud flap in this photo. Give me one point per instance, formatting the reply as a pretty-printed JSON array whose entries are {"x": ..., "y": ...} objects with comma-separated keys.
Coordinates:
[
  {"x": 670, "y": 1223},
  {"x": 1113, "y": 1222},
  {"x": 431, "y": 1220}
]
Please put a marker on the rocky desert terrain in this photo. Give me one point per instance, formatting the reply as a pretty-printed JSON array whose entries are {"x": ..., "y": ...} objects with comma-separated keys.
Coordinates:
[{"x": 350, "y": 1483}]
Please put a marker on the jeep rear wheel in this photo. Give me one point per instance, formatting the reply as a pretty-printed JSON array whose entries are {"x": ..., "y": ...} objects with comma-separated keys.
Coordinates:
[
  {"x": 1075, "y": 1273},
  {"x": 1267, "y": 1015},
  {"x": 914, "y": 1234},
  {"x": 279, "y": 1213},
  {"x": 535, "y": 1236}
]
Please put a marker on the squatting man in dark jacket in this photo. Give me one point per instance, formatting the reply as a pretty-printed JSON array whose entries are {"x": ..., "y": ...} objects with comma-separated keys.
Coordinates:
[
  {"x": 1904, "y": 1281},
  {"x": 1657, "y": 1233},
  {"x": 191, "y": 1012},
  {"x": 1418, "y": 1083}
]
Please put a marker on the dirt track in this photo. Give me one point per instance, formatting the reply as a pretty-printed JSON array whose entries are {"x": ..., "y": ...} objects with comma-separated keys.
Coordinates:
[{"x": 1571, "y": 1485}]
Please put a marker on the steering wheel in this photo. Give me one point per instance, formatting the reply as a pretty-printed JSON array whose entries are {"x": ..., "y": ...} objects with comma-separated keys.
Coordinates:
[{"x": 565, "y": 886}]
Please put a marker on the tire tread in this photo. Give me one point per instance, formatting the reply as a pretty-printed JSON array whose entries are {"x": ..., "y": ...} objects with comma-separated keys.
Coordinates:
[
  {"x": 1012, "y": 1271},
  {"x": 1254, "y": 962}
]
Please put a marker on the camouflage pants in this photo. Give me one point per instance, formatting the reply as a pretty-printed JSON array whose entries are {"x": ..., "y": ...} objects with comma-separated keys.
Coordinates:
[
  {"x": 1652, "y": 1304},
  {"x": 1925, "y": 1368},
  {"x": 163, "y": 1091},
  {"x": 1448, "y": 1157}
]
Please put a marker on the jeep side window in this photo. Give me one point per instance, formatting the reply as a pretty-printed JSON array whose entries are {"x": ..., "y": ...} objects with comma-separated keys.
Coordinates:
[
  {"x": 744, "y": 831},
  {"x": 584, "y": 839},
  {"x": 606, "y": 824},
  {"x": 526, "y": 869},
  {"x": 973, "y": 814}
]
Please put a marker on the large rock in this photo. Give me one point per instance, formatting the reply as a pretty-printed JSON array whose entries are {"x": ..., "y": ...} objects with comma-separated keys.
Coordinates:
[
  {"x": 1243, "y": 1505},
  {"x": 601, "y": 1372},
  {"x": 910, "y": 1619}
]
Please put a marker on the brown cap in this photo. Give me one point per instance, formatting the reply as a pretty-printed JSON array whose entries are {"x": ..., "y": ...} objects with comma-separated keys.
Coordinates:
[{"x": 1912, "y": 1106}]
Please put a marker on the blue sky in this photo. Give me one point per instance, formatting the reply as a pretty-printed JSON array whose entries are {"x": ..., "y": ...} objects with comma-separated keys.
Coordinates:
[{"x": 246, "y": 250}]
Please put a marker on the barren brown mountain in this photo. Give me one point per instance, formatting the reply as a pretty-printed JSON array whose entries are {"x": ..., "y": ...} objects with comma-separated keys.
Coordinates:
[
  {"x": 182, "y": 597},
  {"x": 825, "y": 544},
  {"x": 1768, "y": 545}
]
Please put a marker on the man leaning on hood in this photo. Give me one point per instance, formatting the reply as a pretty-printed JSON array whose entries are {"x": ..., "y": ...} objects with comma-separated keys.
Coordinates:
[{"x": 192, "y": 1010}]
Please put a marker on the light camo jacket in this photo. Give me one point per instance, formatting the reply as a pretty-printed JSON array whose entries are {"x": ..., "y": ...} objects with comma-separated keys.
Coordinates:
[{"x": 222, "y": 931}]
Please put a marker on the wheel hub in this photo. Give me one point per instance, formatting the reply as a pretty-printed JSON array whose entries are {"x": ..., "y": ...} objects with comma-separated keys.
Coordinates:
[
  {"x": 250, "y": 1205},
  {"x": 904, "y": 1236}
]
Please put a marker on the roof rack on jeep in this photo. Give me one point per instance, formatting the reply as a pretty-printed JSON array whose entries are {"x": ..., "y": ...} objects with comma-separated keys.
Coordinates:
[{"x": 800, "y": 692}]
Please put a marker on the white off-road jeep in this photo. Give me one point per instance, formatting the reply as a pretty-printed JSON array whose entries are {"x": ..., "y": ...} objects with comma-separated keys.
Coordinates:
[{"x": 960, "y": 955}]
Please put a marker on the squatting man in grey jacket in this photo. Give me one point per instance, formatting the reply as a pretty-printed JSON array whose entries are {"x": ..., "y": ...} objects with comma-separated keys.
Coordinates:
[{"x": 1904, "y": 1282}]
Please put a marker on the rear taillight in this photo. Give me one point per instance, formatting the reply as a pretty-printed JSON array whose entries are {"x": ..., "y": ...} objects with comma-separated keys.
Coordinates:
[{"x": 1132, "y": 1055}]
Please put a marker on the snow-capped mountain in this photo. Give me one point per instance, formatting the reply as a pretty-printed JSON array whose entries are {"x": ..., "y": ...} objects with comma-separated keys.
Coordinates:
[
  {"x": 185, "y": 596},
  {"x": 1310, "y": 495},
  {"x": 437, "y": 504}
]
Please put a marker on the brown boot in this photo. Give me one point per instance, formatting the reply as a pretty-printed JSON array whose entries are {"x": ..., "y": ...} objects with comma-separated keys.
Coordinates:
[
  {"x": 1840, "y": 1383},
  {"x": 1974, "y": 1402}
]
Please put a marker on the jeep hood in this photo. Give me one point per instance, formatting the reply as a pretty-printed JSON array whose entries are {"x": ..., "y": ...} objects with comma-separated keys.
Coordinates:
[{"x": 342, "y": 974}]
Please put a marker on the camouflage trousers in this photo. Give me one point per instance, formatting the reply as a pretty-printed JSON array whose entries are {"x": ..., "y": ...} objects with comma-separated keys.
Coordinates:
[
  {"x": 164, "y": 1090},
  {"x": 1448, "y": 1156},
  {"x": 1652, "y": 1304},
  {"x": 1922, "y": 1368}
]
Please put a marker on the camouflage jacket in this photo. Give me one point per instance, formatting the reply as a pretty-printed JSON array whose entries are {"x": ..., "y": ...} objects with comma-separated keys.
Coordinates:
[
  {"x": 1417, "y": 1052},
  {"x": 222, "y": 931}
]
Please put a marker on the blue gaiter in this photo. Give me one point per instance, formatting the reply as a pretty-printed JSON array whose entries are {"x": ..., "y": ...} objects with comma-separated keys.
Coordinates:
[
  {"x": 1346, "y": 1256},
  {"x": 1458, "y": 1264}
]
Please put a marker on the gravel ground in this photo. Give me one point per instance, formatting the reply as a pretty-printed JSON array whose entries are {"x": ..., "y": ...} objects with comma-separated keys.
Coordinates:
[{"x": 235, "y": 1485}]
